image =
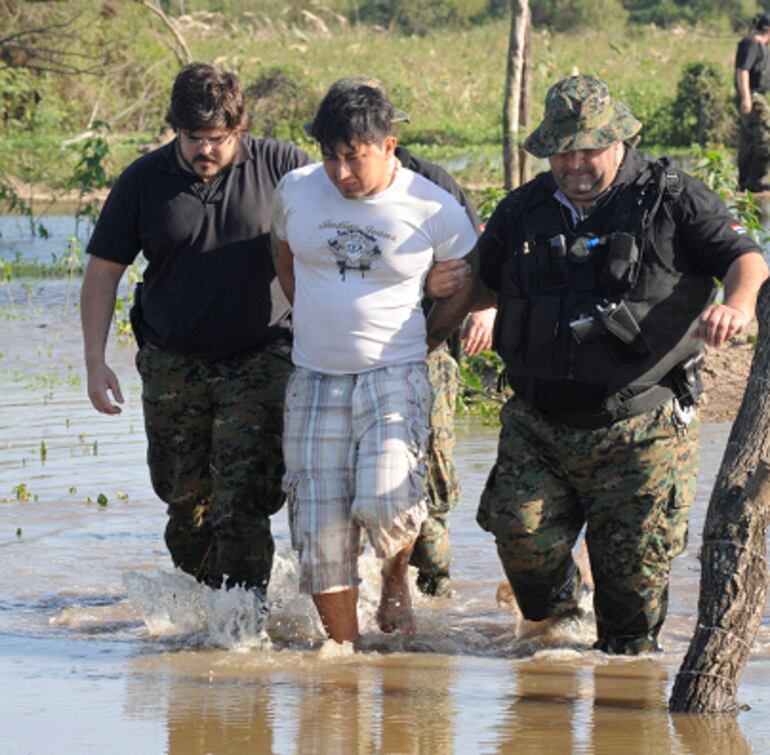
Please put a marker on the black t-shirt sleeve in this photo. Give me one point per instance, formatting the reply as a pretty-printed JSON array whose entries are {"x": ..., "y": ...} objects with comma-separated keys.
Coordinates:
[
  {"x": 709, "y": 233},
  {"x": 437, "y": 175},
  {"x": 115, "y": 237},
  {"x": 288, "y": 157},
  {"x": 441, "y": 178},
  {"x": 493, "y": 246},
  {"x": 747, "y": 54}
]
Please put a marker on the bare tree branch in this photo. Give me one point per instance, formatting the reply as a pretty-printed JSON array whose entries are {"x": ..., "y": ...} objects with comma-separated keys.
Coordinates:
[
  {"x": 183, "y": 54},
  {"x": 37, "y": 49}
]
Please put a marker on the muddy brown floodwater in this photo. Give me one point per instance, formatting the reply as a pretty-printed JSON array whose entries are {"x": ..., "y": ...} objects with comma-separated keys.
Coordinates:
[{"x": 105, "y": 649}]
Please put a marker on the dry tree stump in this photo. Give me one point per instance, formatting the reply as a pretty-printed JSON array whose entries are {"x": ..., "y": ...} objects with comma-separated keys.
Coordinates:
[{"x": 734, "y": 574}]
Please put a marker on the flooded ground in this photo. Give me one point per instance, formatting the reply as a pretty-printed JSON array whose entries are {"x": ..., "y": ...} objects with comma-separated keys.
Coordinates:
[{"x": 104, "y": 648}]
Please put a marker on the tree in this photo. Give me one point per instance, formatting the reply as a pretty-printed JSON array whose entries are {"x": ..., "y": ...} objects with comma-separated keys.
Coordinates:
[
  {"x": 516, "y": 91},
  {"x": 733, "y": 555},
  {"x": 44, "y": 40}
]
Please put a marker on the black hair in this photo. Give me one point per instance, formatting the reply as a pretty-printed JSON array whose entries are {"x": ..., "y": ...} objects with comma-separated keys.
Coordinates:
[
  {"x": 204, "y": 97},
  {"x": 362, "y": 113},
  {"x": 761, "y": 22}
]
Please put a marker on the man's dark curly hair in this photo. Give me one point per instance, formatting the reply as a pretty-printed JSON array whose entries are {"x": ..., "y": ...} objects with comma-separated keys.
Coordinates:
[
  {"x": 362, "y": 113},
  {"x": 204, "y": 97}
]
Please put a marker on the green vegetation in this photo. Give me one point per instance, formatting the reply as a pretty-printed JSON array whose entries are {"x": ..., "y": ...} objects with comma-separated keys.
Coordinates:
[
  {"x": 72, "y": 122},
  {"x": 22, "y": 493}
]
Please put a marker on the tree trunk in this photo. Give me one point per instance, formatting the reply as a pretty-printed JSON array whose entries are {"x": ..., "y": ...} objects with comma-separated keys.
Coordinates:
[
  {"x": 733, "y": 555},
  {"x": 525, "y": 106},
  {"x": 513, "y": 86}
]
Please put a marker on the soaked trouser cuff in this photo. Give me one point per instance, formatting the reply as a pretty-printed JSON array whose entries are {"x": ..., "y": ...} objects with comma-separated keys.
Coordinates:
[
  {"x": 537, "y": 602},
  {"x": 628, "y": 645}
]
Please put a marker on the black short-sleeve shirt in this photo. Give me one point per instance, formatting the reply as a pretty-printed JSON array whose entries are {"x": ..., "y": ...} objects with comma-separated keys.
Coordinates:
[
  {"x": 437, "y": 175},
  {"x": 753, "y": 56},
  {"x": 206, "y": 288}
]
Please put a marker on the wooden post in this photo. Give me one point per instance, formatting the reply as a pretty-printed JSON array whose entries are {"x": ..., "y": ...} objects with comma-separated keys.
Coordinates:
[
  {"x": 520, "y": 21},
  {"x": 733, "y": 555},
  {"x": 525, "y": 107}
]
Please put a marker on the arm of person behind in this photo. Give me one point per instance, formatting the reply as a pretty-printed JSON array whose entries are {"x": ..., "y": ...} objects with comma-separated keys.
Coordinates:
[
  {"x": 478, "y": 330},
  {"x": 744, "y": 90},
  {"x": 720, "y": 322},
  {"x": 97, "y": 306}
]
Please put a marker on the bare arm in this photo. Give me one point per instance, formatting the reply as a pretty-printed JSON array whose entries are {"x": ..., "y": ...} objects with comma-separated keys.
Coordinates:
[
  {"x": 720, "y": 322},
  {"x": 446, "y": 278},
  {"x": 744, "y": 91},
  {"x": 283, "y": 259},
  {"x": 97, "y": 305},
  {"x": 447, "y": 314}
]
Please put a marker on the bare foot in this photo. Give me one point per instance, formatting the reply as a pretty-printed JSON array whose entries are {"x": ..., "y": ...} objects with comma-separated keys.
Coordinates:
[{"x": 395, "y": 611}]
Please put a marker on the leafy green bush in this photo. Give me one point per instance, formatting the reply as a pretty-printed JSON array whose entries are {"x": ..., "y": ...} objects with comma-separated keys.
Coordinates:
[
  {"x": 420, "y": 16},
  {"x": 565, "y": 15},
  {"x": 701, "y": 111},
  {"x": 718, "y": 171},
  {"x": 668, "y": 12},
  {"x": 281, "y": 102}
]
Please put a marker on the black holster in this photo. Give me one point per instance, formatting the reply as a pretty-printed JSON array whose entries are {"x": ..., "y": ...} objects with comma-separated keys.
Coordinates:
[{"x": 688, "y": 383}]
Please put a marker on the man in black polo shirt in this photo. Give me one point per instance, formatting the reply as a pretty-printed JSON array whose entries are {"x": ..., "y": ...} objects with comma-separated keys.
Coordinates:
[
  {"x": 212, "y": 360},
  {"x": 752, "y": 82}
]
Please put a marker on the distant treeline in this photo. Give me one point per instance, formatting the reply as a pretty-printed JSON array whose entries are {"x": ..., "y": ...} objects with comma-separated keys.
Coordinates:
[{"x": 420, "y": 16}]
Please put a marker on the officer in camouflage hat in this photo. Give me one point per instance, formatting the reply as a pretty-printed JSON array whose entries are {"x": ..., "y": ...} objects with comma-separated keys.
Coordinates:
[
  {"x": 580, "y": 115},
  {"x": 602, "y": 269}
]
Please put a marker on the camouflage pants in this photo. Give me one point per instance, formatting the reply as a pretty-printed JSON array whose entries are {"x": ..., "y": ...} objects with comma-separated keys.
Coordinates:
[
  {"x": 754, "y": 145},
  {"x": 632, "y": 484},
  {"x": 431, "y": 553},
  {"x": 214, "y": 452}
]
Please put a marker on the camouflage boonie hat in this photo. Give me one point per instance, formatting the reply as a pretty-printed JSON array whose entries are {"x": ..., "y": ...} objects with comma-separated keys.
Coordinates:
[
  {"x": 353, "y": 82},
  {"x": 580, "y": 114}
]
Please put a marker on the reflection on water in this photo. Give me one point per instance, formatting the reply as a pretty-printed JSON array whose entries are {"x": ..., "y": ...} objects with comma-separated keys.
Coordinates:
[
  {"x": 104, "y": 648},
  {"x": 43, "y": 238}
]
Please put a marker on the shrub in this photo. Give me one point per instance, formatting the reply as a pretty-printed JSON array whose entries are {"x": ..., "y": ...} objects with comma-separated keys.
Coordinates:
[
  {"x": 281, "y": 103},
  {"x": 420, "y": 16},
  {"x": 668, "y": 12},
  {"x": 566, "y": 15},
  {"x": 702, "y": 111}
]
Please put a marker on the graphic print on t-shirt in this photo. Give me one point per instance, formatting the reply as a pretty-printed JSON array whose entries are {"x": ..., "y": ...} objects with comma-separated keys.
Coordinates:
[{"x": 354, "y": 249}]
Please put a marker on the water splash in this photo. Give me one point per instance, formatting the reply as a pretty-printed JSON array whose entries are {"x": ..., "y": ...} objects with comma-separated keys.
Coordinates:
[{"x": 176, "y": 605}]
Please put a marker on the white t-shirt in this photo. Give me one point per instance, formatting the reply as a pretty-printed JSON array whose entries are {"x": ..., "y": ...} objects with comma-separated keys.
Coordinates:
[{"x": 360, "y": 265}]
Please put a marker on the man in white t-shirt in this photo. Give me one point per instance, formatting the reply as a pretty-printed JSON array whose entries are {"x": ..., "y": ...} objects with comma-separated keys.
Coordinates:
[{"x": 354, "y": 238}]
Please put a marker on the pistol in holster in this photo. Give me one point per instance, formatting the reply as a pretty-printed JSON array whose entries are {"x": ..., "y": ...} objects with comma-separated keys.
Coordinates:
[{"x": 688, "y": 382}]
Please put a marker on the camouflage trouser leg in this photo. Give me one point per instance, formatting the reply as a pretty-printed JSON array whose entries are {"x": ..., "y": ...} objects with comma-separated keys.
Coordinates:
[
  {"x": 632, "y": 484},
  {"x": 754, "y": 145},
  {"x": 214, "y": 452},
  {"x": 431, "y": 553}
]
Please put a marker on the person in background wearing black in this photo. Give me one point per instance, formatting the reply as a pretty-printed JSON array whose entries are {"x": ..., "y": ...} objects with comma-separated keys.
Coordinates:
[{"x": 752, "y": 82}]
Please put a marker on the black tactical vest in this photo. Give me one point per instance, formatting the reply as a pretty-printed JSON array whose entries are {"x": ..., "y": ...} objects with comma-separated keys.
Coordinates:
[{"x": 607, "y": 310}]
